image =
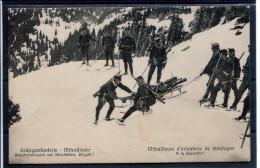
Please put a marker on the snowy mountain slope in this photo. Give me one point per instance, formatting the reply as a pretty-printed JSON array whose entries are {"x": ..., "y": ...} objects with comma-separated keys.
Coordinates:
[{"x": 57, "y": 109}]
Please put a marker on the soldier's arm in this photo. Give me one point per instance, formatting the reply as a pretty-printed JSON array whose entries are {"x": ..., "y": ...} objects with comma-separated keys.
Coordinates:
[
  {"x": 110, "y": 91},
  {"x": 125, "y": 88}
]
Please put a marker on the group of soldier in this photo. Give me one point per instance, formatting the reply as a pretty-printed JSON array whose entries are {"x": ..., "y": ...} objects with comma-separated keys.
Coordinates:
[
  {"x": 225, "y": 67},
  {"x": 127, "y": 47}
]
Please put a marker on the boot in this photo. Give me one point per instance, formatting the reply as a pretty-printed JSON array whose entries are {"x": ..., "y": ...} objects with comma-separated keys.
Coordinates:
[
  {"x": 233, "y": 107},
  {"x": 106, "y": 64},
  {"x": 125, "y": 73},
  {"x": 240, "y": 118}
]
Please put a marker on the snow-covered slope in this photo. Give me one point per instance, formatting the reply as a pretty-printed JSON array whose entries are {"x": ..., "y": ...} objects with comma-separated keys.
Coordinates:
[{"x": 57, "y": 109}]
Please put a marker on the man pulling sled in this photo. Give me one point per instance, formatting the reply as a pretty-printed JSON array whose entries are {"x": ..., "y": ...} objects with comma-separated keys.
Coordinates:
[{"x": 145, "y": 97}]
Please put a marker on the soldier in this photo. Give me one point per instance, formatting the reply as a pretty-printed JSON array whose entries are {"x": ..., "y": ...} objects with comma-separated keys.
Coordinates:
[
  {"x": 84, "y": 43},
  {"x": 223, "y": 74},
  {"x": 142, "y": 101},
  {"x": 127, "y": 46},
  {"x": 107, "y": 94},
  {"x": 245, "y": 84},
  {"x": 234, "y": 76},
  {"x": 109, "y": 44},
  {"x": 157, "y": 58},
  {"x": 209, "y": 70}
]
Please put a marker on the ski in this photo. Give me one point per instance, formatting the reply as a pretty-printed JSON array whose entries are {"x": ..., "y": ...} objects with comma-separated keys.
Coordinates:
[
  {"x": 106, "y": 69},
  {"x": 232, "y": 110},
  {"x": 120, "y": 123}
]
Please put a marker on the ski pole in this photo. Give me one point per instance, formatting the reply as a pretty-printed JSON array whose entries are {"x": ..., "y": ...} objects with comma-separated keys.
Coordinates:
[
  {"x": 119, "y": 60},
  {"x": 97, "y": 57},
  {"x": 196, "y": 78},
  {"x": 143, "y": 73},
  {"x": 247, "y": 127}
]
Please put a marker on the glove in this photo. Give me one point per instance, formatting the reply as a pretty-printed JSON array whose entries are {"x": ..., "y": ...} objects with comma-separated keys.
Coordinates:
[
  {"x": 215, "y": 70},
  {"x": 201, "y": 73},
  {"x": 123, "y": 100},
  {"x": 163, "y": 66},
  {"x": 133, "y": 94}
]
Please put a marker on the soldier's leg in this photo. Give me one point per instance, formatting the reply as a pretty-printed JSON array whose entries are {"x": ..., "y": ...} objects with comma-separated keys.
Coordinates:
[
  {"x": 111, "y": 108},
  {"x": 129, "y": 112},
  {"x": 125, "y": 61},
  {"x": 83, "y": 52},
  {"x": 130, "y": 62},
  {"x": 87, "y": 54},
  {"x": 111, "y": 54},
  {"x": 226, "y": 96},
  {"x": 159, "y": 73},
  {"x": 107, "y": 55},
  {"x": 214, "y": 93},
  {"x": 210, "y": 86},
  {"x": 150, "y": 73},
  {"x": 246, "y": 107},
  {"x": 99, "y": 106},
  {"x": 240, "y": 93}
]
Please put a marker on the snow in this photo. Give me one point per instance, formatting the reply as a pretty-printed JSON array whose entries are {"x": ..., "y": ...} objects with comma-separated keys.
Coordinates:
[
  {"x": 187, "y": 18},
  {"x": 62, "y": 33},
  {"x": 111, "y": 18},
  {"x": 165, "y": 24},
  {"x": 57, "y": 109}
]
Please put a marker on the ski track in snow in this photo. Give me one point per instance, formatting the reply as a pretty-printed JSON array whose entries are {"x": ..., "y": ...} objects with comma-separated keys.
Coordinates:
[{"x": 58, "y": 109}]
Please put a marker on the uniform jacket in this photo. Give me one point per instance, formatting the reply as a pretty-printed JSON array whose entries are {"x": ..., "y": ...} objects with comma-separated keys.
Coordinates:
[
  {"x": 146, "y": 95},
  {"x": 236, "y": 66},
  {"x": 211, "y": 64},
  {"x": 127, "y": 44},
  {"x": 110, "y": 89},
  {"x": 158, "y": 56},
  {"x": 107, "y": 41},
  {"x": 85, "y": 40}
]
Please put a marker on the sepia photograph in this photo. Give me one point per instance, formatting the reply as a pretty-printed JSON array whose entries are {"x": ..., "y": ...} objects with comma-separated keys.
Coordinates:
[{"x": 129, "y": 84}]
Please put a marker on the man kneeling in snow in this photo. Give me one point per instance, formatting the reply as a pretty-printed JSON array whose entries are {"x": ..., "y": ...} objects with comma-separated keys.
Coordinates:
[
  {"x": 107, "y": 94},
  {"x": 143, "y": 99}
]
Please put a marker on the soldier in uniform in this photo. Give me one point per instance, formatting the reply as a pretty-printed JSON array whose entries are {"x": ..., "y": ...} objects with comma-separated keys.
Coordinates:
[
  {"x": 234, "y": 76},
  {"x": 109, "y": 44},
  {"x": 127, "y": 47},
  {"x": 209, "y": 70},
  {"x": 84, "y": 43},
  {"x": 142, "y": 101},
  {"x": 107, "y": 94},
  {"x": 245, "y": 84},
  {"x": 223, "y": 74},
  {"x": 157, "y": 58}
]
